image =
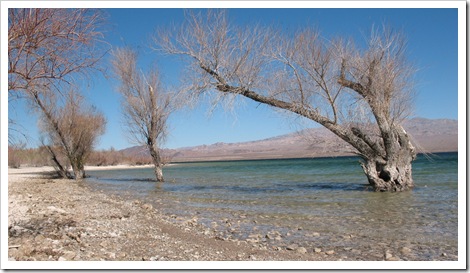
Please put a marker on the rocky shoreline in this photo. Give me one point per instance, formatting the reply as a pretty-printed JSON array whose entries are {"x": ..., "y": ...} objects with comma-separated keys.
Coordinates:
[{"x": 63, "y": 220}]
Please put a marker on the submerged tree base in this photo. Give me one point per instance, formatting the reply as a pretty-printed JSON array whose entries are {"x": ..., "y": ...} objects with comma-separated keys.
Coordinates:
[
  {"x": 392, "y": 187},
  {"x": 391, "y": 177},
  {"x": 158, "y": 173}
]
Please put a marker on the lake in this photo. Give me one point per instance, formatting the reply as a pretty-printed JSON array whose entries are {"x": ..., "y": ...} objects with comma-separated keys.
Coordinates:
[{"x": 316, "y": 203}]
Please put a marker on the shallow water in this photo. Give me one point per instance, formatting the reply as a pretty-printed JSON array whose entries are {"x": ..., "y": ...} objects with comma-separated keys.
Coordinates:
[{"x": 321, "y": 202}]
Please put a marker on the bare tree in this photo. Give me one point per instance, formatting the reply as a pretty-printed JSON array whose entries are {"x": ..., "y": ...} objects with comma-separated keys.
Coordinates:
[
  {"x": 146, "y": 105},
  {"x": 361, "y": 94},
  {"x": 48, "y": 51},
  {"x": 72, "y": 131}
]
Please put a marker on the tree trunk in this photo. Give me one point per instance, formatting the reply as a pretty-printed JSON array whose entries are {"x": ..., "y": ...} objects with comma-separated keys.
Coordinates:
[
  {"x": 158, "y": 173},
  {"x": 79, "y": 174},
  {"x": 61, "y": 170},
  {"x": 394, "y": 175},
  {"x": 157, "y": 162},
  {"x": 78, "y": 171}
]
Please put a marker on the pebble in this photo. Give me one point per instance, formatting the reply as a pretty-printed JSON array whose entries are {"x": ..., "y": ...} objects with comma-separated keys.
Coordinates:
[
  {"x": 388, "y": 255},
  {"x": 27, "y": 248},
  {"x": 147, "y": 206},
  {"x": 15, "y": 230},
  {"x": 317, "y": 250},
  {"x": 39, "y": 238},
  {"x": 58, "y": 210},
  {"x": 69, "y": 255},
  {"x": 405, "y": 250},
  {"x": 252, "y": 240},
  {"x": 292, "y": 247},
  {"x": 356, "y": 251},
  {"x": 122, "y": 255},
  {"x": 301, "y": 250},
  {"x": 330, "y": 252}
]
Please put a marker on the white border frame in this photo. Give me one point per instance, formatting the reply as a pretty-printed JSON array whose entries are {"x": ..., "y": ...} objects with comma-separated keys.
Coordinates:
[{"x": 462, "y": 73}]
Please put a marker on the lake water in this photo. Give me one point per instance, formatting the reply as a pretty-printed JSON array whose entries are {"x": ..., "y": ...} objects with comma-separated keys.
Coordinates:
[{"x": 316, "y": 203}]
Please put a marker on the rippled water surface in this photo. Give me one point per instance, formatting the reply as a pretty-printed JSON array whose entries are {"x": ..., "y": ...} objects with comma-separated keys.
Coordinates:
[{"x": 327, "y": 196}]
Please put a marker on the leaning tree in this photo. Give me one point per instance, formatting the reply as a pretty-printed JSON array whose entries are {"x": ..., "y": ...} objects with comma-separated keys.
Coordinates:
[
  {"x": 52, "y": 51},
  {"x": 360, "y": 93}
]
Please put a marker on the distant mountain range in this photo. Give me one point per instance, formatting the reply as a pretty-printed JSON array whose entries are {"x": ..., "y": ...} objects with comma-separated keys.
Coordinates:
[{"x": 428, "y": 135}]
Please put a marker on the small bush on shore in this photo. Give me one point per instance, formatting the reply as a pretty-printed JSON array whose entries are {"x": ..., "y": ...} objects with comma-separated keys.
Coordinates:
[{"x": 38, "y": 157}]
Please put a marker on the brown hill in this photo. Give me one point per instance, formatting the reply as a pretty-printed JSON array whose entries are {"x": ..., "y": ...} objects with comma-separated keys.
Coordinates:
[{"x": 429, "y": 135}]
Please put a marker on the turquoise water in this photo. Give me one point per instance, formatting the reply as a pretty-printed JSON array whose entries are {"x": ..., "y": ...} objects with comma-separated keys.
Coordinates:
[{"x": 300, "y": 197}]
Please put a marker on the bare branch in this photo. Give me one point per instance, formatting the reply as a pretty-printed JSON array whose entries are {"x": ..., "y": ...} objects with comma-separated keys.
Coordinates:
[{"x": 52, "y": 46}]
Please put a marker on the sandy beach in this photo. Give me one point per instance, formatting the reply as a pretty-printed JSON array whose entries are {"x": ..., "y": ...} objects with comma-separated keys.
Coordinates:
[{"x": 63, "y": 220}]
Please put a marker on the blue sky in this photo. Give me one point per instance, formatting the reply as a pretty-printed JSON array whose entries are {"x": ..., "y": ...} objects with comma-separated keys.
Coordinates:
[{"x": 432, "y": 46}]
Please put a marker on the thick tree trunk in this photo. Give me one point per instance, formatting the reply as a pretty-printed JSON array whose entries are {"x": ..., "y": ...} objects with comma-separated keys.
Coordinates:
[
  {"x": 392, "y": 173},
  {"x": 391, "y": 176},
  {"x": 78, "y": 171}
]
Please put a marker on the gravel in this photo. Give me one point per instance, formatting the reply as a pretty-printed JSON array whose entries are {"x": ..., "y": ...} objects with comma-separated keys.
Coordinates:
[
  {"x": 53, "y": 219},
  {"x": 64, "y": 220}
]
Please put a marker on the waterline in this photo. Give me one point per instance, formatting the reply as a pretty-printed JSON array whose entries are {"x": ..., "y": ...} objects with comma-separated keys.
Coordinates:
[{"x": 301, "y": 198}]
